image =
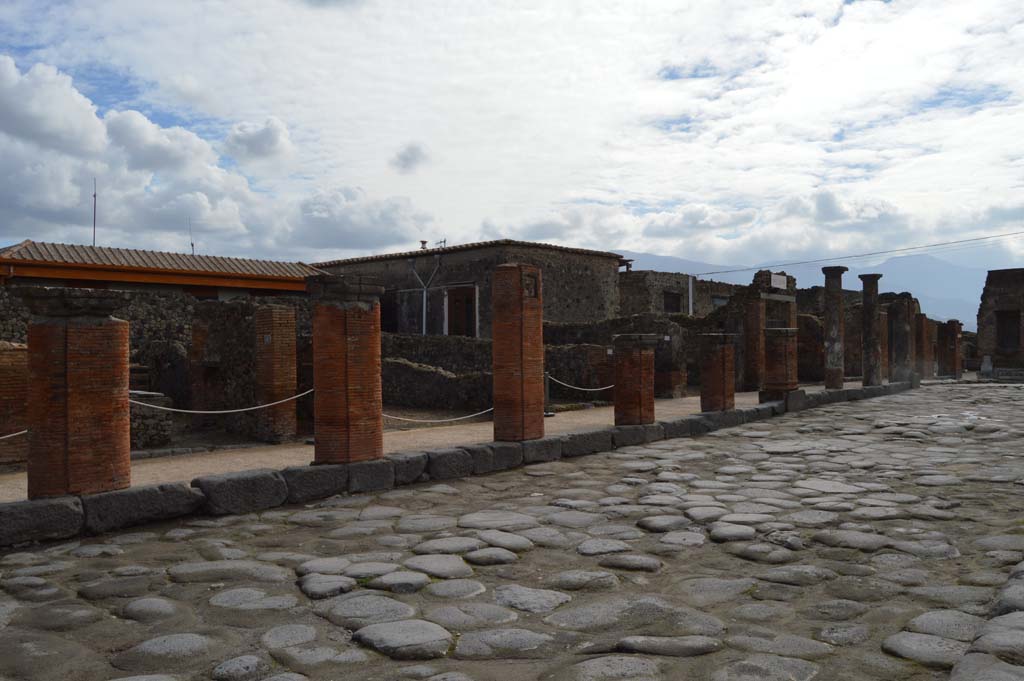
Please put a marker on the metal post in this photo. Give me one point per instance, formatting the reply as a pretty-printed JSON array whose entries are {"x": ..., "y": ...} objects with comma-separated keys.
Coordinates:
[{"x": 691, "y": 293}]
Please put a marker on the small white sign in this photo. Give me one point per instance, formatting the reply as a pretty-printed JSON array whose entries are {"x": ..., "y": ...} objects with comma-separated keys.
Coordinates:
[{"x": 779, "y": 281}]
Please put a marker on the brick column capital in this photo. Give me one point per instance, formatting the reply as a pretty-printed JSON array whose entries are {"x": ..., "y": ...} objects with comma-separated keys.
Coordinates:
[{"x": 869, "y": 279}]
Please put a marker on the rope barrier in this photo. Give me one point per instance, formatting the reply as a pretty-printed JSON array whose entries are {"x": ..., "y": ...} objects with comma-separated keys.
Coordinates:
[
  {"x": 457, "y": 418},
  {"x": 576, "y": 387},
  {"x": 220, "y": 411},
  {"x": 20, "y": 432}
]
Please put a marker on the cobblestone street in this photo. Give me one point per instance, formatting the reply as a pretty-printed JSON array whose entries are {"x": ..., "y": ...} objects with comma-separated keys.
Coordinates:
[{"x": 878, "y": 539}]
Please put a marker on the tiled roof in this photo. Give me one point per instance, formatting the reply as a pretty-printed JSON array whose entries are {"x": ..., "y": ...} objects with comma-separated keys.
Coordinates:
[
  {"x": 130, "y": 258},
  {"x": 469, "y": 247}
]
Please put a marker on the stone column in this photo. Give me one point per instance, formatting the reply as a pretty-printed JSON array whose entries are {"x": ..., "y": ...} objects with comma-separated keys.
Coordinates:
[
  {"x": 924, "y": 350},
  {"x": 634, "y": 378},
  {"x": 901, "y": 321},
  {"x": 518, "y": 353},
  {"x": 870, "y": 332},
  {"x": 13, "y": 397},
  {"x": 883, "y": 337},
  {"x": 717, "y": 372},
  {"x": 949, "y": 339},
  {"x": 754, "y": 322},
  {"x": 347, "y": 409},
  {"x": 275, "y": 371},
  {"x": 78, "y": 416},
  {"x": 834, "y": 318},
  {"x": 780, "y": 364}
]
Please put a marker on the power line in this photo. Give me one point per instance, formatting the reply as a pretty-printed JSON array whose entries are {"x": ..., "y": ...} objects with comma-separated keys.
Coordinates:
[{"x": 862, "y": 255}]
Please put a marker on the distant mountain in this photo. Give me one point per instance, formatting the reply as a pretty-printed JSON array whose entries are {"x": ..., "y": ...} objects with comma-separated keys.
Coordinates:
[{"x": 946, "y": 291}]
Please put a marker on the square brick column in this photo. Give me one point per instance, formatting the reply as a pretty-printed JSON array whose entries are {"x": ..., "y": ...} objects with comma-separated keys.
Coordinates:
[
  {"x": 871, "y": 353},
  {"x": 276, "y": 378},
  {"x": 518, "y": 352},
  {"x": 780, "y": 364},
  {"x": 717, "y": 372},
  {"x": 754, "y": 322},
  {"x": 901, "y": 321},
  {"x": 13, "y": 398},
  {"x": 348, "y": 411},
  {"x": 634, "y": 378},
  {"x": 78, "y": 417},
  {"x": 833, "y": 325},
  {"x": 924, "y": 351},
  {"x": 948, "y": 342}
]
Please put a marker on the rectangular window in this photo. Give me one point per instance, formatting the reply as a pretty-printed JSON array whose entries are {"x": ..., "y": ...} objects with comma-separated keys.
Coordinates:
[
  {"x": 1008, "y": 329},
  {"x": 673, "y": 302},
  {"x": 719, "y": 301}
]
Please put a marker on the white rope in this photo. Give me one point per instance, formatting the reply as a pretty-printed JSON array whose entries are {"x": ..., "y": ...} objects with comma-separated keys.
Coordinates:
[
  {"x": 458, "y": 418},
  {"x": 20, "y": 432},
  {"x": 221, "y": 411},
  {"x": 576, "y": 387}
]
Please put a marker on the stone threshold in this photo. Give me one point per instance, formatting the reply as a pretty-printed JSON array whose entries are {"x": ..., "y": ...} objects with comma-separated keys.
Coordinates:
[{"x": 252, "y": 491}]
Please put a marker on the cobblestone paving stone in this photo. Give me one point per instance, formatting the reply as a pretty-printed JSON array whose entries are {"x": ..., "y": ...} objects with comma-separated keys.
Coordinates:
[{"x": 881, "y": 539}]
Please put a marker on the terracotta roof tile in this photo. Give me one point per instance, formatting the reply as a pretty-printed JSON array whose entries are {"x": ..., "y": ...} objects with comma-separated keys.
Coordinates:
[
  {"x": 36, "y": 251},
  {"x": 468, "y": 247}
]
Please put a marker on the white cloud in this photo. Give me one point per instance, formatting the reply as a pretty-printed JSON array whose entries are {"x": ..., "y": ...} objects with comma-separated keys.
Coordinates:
[
  {"x": 268, "y": 141},
  {"x": 409, "y": 158},
  {"x": 720, "y": 130}
]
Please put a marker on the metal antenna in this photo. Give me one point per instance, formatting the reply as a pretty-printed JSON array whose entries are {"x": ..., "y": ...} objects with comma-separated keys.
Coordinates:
[
  {"x": 190, "y": 241},
  {"x": 94, "y": 211}
]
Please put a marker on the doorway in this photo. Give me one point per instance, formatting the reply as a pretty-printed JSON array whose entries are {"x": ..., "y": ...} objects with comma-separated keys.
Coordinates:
[{"x": 460, "y": 311}]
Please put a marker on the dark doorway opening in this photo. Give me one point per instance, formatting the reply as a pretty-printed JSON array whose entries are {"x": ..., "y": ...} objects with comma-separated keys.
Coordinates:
[
  {"x": 462, "y": 311},
  {"x": 1008, "y": 329}
]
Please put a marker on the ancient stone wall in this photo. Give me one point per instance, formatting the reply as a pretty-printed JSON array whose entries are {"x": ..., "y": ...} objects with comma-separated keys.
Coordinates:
[
  {"x": 13, "y": 393},
  {"x": 810, "y": 349},
  {"x": 664, "y": 293},
  {"x": 151, "y": 428},
  {"x": 1001, "y": 318}
]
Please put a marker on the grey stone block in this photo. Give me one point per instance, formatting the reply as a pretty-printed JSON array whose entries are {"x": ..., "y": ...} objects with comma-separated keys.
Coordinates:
[
  {"x": 371, "y": 476},
  {"x": 628, "y": 436},
  {"x": 543, "y": 450},
  {"x": 41, "y": 519},
  {"x": 243, "y": 491},
  {"x": 448, "y": 464},
  {"x": 308, "y": 483},
  {"x": 591, "y": 442},
  {"x": 875, "y": 391},
  {"x": 136, "y": 505},
  {"x": 778, "y": 407},
  {"x": 677, "y": 428},
  {"x": 759, "y": 413},
  {"x": 409, "y": 466},
  {"x": 653, "y": 432},
  {"x": 796, "y": 400},
  {"x": 854, "y": 394},
  {"x": 699, "y": 424},
  {"x": 507, "y": 455},
  {"x": 483, "y": 458}
]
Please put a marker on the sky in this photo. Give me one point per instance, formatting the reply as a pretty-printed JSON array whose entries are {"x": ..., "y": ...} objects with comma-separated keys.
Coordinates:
[{"x": 720, "y": 131}]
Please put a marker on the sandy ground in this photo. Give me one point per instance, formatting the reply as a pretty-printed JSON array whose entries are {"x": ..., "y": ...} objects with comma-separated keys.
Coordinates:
[{"x": 13, "y": 486}]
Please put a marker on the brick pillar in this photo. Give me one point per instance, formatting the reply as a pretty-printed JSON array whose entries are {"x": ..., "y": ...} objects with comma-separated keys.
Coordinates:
[
  {"x": 948, "y": 343},
  {"x": 717, "y": 372},
  {"x": 634, "y": 378},
  {"x": 518, "y": 352},
  {"x": 883, "y": 352},
  {"x": 780, "y": 364},
  {"x": 924, "y": 351},
  {"x": 276, "y": 378},
  {"x": 78, "y": 418},
  {"x": 833, "y": 324},
  {"x": 13, "y": 396},
  {"x": 754, "y": 322},
  {"x": 348, "y": 413},
  {"x": 901, "y": 321},
  {"x": 871, "y": 353}
]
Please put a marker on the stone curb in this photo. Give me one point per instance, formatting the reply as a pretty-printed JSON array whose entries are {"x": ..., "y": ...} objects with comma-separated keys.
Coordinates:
[{"x": 251, "y": 491}]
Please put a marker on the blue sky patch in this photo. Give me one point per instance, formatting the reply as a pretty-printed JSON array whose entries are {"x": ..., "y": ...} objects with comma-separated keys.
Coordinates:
[{"x": 682, "y": 72}]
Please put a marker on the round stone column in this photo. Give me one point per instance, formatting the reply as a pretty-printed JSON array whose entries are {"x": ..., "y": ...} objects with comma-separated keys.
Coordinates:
[
  {"x": 780, "y": 363},
  {"x": 834, "y": 323},
  {"x": 871, "y": 354},
  {"x": 634, "y": 378},
  {"x": 518, "y": 352},
  {"x": 348, "y": 410},
  {"x": 78, "y": 413},
  {"x": 717, "y": 372}
]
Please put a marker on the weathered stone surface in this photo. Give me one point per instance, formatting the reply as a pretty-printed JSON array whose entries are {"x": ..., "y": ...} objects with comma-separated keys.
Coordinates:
[
  {"x": 40, "y": 520},
  {"x": 503, "y": 644},
  {"x": 137, "y": 505},
  {"x": 529, "y": 600},
  {"x": 371, "y": 476},
  {"x": 581, "y": 444},
  {"x": 227, "y": 570},
  {"x": 671, "y": 646},
  {"x": 448, "y": 464},
  {"x": 541, "y": 451},
  {"x": 925, "y": 649},
  {"x": 309, "y": 483},
  {"x": 243, "y": 491},
  {"x": 409, "y": 467},
  {"x": 406, "y": 640}
]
